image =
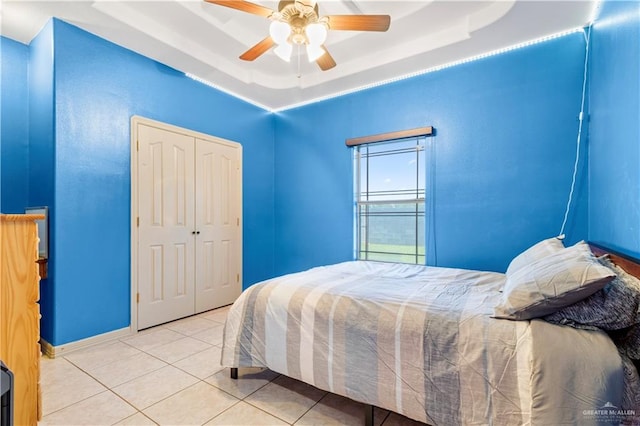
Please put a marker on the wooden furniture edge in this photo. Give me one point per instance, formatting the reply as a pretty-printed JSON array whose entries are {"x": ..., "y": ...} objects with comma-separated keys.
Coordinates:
[
  {"x": 20, "y": 217},
  {"x": 42, "y": 262},
  {"x": 629, "y": 264},
  {"x": 20, "y": 332},
  {"x": 42, "y": 267}
]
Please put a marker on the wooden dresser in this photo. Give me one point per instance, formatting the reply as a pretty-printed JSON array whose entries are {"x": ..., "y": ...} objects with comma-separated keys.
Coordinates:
[{"x": 20, "y": 313}]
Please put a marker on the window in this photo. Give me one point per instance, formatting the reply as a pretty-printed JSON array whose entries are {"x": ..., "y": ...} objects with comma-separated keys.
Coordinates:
[{"x": 390, "y": 201}]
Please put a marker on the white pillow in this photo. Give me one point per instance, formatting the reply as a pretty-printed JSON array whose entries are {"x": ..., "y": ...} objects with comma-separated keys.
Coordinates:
[
  {"x": 535, "y": 252},
  {"x": 551, "y": 283}
]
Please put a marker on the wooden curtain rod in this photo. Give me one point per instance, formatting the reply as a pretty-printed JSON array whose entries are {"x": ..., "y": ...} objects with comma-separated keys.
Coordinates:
[{"x": 382, "y": 137}]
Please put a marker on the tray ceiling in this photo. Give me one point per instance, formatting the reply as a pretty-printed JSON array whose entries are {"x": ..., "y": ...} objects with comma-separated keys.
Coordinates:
[{"x": 205, "y": 40}]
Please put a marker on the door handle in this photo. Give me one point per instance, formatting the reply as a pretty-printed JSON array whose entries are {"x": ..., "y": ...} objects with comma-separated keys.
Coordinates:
[{"x": 195, "y": 232}]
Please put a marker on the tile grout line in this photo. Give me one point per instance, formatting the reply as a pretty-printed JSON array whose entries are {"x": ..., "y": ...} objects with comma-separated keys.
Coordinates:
[
  {"x": 109, "y": 388},
  {"x": 243, "y": 399},
  {"x": 310, "y": 408},
  {"x": 140, "y": 351},
  {"x": 220, "y": 413},
  {"x": 199, "y": 380},
  {"x": 168, "y": 343},
  {"x": 220, "y": 386},
  {"x": 183, "y": 389}
]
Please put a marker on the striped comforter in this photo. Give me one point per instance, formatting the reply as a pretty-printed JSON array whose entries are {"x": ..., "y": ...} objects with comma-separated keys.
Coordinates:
[{"x": 421, "y": 341}]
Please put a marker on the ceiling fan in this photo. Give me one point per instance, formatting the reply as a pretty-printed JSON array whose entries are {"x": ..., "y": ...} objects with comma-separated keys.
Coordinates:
[{"x": 297, "y": 22}]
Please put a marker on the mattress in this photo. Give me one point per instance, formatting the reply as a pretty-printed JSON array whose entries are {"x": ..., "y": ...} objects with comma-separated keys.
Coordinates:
[{"x": 421, "y": 341}]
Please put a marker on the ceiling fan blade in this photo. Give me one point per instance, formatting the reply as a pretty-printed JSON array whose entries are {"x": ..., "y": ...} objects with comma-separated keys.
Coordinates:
[
  {"x": 258, "y": 49},
  {"x": 359, "y": 22},
  {"x": 326, "y": 61},
  {"x": 245, "y": 6}
]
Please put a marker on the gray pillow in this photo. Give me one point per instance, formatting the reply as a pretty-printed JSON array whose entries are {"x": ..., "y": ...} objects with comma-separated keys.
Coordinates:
[
  {"x": 551, "y": 283},
  {"x": 535, "y": 252},
  {"x": 613, "y": 308}
]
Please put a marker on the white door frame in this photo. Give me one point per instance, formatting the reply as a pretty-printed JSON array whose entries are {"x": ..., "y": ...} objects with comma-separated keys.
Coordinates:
[{"x": 135, "y": 121}]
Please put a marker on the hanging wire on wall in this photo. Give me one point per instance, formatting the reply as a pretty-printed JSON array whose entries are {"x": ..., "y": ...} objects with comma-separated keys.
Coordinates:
[
  {"x": 299, "y": 70},
  {"x": 561, "y": 236}
]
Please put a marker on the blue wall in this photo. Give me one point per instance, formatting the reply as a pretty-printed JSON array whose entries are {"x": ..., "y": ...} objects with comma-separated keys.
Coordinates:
[
  {"x": 14, "y": 127},
  {"x": 614, "y": 156},
  {"x": 42, "y": 160},
  {"x": 314, "y": 195},
  {"x": 501, "y": 162},
  {"x": 98, "y": 87}
]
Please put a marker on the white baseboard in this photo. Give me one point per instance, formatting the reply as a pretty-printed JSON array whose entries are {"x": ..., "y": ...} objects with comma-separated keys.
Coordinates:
[{"x": 53, "y": 351}]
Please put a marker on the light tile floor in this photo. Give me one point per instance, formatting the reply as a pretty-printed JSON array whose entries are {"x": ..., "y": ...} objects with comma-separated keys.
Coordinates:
[{"x": 170, "y": 375}]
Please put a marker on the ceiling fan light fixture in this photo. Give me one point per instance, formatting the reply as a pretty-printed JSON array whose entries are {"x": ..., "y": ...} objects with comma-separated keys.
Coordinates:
[
  {"x": 316, "y": 34},
  {"x": 279, "y": 32},
  {"x": 314, "y": 52},
  {"x": 298, "y": 22},
  {"x": 284, "y": 51}
]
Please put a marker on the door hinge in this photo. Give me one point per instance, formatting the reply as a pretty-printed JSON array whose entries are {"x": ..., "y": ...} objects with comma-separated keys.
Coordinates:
[
  {"x": 237, "y": 278},
  {"x": 138, "y": 221},
  {"x": 238, "y": 221},
  {"x": 137, "y": 145},
  {"x": 137, "y": 297}
]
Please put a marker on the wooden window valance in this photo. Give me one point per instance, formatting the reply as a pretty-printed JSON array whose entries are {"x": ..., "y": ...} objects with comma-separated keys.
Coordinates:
[{"x": 384, "y": 137}]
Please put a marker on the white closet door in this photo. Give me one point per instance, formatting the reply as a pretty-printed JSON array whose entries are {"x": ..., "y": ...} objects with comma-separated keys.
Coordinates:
[
  {"x": 218, "y": 210},
  {"x": 166, "y": 245}
]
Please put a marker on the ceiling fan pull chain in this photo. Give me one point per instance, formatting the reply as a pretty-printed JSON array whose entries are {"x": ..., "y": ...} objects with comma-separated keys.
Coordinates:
[{"x": 299, "y": 72}]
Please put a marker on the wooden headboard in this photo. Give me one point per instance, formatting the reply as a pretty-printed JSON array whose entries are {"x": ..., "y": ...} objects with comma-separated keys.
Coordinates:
[{"x": 632, "y": 266}]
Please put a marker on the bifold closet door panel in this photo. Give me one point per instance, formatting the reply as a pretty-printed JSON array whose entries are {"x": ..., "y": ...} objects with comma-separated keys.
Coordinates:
[
  {"x": 166, "y": 239},
  {"x": 218, "y": 211}
]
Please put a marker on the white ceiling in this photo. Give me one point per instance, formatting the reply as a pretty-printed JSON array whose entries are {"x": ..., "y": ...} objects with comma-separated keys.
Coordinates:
[{"x": 206, "y": 40}]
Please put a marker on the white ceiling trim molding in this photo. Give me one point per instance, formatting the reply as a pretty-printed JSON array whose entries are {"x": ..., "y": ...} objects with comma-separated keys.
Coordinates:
[
  {"x": 205, "y": 40},
  {"x": 455, "y": 33},
  {"x": 432, "y": 69},
  {"x": 228, "y": 92},
  {"x": 414, "y": 47}
]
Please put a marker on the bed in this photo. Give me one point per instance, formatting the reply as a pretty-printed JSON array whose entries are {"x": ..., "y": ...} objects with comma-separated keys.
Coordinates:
[{"x": 428, "y": 343}]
